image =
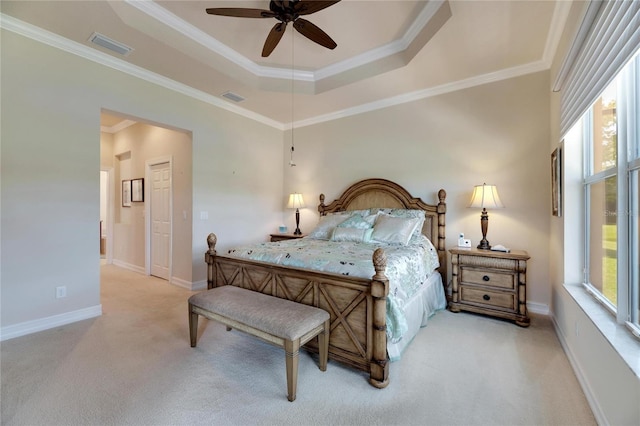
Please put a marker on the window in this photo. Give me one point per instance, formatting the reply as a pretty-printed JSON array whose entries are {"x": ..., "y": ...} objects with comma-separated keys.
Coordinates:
[{"x": 612, "y": 196}]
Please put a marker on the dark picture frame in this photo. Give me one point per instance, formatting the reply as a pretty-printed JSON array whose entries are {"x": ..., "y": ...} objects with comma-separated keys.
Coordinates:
[
  {"x": 556, "y": 182},
  {"x": 137, "y": 190},
  {"x": 126, "y": 193}
]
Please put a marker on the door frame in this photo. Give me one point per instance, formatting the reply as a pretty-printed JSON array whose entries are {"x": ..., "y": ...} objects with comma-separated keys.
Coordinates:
[
  {"x": 110, "y": 211},
  {"x": 147, "y": 212}
]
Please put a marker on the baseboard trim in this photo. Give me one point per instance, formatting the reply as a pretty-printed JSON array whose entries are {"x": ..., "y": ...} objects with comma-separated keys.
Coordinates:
[
  {"x": 538, "y": 308},
  {"x": 199, "y": 285},
  {"x": 582, "y": 379},
  {"x": 29, "y": 327},
  {"x": 179, "y": 282},
  {"x": 129, "y": 266},
  {"x": 191, "y": 286}
]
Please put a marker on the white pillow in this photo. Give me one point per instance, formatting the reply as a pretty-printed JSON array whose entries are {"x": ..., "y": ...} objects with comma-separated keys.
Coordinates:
[
  {"x": 352, "y": 235},
  {"x": 394, "y": 230},
  {"x": 406, "y": 213},
  {"x": 325, "y": 226}
]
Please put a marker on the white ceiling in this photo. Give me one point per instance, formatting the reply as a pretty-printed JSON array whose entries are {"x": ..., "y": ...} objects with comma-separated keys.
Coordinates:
[{"x": 389, "y": 51}]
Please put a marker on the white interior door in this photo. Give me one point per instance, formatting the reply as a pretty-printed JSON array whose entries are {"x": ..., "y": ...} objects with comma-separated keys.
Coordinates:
[{"x": 160, "y": 194}]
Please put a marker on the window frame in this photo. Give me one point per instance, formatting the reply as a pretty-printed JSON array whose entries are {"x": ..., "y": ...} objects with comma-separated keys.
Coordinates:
[{"x": 626, "y": 310}]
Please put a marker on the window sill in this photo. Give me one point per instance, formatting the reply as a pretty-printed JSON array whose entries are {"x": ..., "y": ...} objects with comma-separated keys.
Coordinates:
[{"x": 618, "y": 336}]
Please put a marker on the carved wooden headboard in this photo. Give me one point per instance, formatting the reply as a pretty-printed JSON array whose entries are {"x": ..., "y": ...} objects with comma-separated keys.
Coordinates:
[{"x": 383, "y": 193}]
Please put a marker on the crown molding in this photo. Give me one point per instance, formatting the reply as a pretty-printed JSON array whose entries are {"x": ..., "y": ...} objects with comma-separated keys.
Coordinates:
[
  {"x": 38, "y": 34},
  {"x": 556, "y": 28},
  {"x": 386, "y": 50},
  {"x": 176, "y": 23},
  {"x": 492, "y": 77}
]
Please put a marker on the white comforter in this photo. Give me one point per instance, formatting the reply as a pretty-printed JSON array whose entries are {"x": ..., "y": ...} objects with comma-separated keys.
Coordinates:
[{"x": 408, "y": 267}]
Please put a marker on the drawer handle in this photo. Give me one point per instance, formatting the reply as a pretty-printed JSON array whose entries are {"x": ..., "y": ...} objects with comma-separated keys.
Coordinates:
[
  {"x": 486, "y": 278},
  {"x": 486, "y": 297}
]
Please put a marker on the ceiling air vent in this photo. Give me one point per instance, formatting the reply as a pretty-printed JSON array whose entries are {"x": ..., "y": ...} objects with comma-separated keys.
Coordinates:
[
  {"x": 232, "y": 97},
  {"x": 107, "y": 43}
]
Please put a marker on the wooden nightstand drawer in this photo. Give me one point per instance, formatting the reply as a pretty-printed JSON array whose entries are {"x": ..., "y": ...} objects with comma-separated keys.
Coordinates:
[
  {"x": 488, "y": 278},
  {"x": 486, "y": 297},
  {"x": 491, "y": 283}
]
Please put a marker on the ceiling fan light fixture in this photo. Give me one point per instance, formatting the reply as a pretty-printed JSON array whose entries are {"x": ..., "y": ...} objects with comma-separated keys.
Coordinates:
[
  {"x": 115, "y": 46},
  {"x": 284, "y": 11}
]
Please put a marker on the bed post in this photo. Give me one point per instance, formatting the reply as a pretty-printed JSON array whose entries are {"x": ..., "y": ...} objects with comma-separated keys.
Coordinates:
[
  {"x": 208, "y": 257},
  {"x": 442, "y": 252},
  {"x": 379, "y": 370}
]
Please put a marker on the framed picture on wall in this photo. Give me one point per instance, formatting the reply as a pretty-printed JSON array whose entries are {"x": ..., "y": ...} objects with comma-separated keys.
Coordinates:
[
  {"x": 556, "y": 182},
  {"x": 126, "y": 193},
  {"x": 137, "y": 190}
]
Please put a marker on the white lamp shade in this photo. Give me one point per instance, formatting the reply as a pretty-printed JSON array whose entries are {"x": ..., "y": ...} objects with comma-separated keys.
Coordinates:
[
  {"x": 295, "y": 201},
  {"x": 485, "y": 196}
]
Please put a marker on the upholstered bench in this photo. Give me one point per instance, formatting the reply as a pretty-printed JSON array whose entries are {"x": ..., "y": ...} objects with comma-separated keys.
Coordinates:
[{"x": 279, "y": 321}]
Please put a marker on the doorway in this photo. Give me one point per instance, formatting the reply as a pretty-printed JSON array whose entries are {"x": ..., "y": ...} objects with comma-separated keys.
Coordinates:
[{"x": 146, "y": 232}]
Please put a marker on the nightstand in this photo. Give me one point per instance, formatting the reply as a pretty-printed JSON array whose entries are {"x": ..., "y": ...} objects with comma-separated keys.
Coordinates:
[
  {"x": 490, "y": 282},
  {"x": 281, "y": 237}
]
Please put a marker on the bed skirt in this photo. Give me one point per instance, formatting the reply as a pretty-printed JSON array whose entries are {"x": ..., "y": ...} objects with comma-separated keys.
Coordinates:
[{"x": 422, "y": 306}]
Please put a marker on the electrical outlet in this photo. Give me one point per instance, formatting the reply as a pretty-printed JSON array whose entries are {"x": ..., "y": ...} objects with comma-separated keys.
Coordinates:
[{"x": 61, "y": 292}]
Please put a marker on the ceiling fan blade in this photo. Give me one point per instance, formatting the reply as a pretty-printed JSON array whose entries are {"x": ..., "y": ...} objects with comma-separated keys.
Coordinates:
[
  {"x": 313, "y": 33},
  {"x": 307, "y": 7},
  {"x": 240, "y": 12},
  {"x": 273, "y": 38}
]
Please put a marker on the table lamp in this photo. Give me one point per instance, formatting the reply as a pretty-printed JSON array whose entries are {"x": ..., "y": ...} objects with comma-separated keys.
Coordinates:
[
  {"x": 485, "y": 196},
  {"x": 296, "y": 202}
]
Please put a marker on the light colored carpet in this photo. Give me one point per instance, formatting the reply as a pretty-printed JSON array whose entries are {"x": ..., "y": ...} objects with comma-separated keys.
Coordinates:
[{"x": 134, "y": 366}]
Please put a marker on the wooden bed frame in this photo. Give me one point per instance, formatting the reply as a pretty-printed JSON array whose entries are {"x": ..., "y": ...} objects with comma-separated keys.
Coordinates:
[{"x": 357, "y": 306}]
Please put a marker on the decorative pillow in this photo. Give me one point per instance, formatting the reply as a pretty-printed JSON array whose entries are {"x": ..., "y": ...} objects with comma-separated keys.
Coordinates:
[
  {"x": 394, "y": 230},
  {"x": 325, "y": 226},
  {"x": 359, "y": 222},
  {"x": 352, "y": 235},
  {"x": 406, "y": 213},
  {"x": 349, "y": 213}
]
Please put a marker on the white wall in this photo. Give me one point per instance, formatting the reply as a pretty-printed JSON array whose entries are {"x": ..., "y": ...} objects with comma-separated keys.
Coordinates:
[
  {"x": 496, "y": 133},
  {"x": 50, "y": 177}
]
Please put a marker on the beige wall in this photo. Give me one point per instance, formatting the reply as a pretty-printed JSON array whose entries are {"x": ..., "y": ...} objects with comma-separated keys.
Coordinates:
[
  {"x": 51, "y": 105},
  {"x": 496, "y": 133}
]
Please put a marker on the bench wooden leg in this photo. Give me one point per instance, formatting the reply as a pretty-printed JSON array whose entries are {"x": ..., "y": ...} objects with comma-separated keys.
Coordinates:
[
  {"x": 193, "y": 326},
  {"x": 323, "y": 345},
  {"x": 292, "y": 349}
]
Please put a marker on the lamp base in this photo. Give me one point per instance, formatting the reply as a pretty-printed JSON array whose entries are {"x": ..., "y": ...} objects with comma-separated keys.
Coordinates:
[
  {"x": 484, "y": 245},
  {"x": 297, "y": 231}
]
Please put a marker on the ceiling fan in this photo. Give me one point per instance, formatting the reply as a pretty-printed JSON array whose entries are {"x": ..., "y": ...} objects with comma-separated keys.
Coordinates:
[{"x": 284, "y": 11}]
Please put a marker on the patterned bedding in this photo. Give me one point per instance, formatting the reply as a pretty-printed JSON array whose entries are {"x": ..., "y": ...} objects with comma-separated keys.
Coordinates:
[{"x": 408, "y": 267}]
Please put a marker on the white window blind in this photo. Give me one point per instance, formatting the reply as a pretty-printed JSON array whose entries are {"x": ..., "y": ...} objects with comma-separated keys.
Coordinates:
[{"x": 613, "y": 38}]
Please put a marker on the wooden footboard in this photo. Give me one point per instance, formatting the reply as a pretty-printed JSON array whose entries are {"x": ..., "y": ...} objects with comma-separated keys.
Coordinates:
[{"x": 357, "y": 306}]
